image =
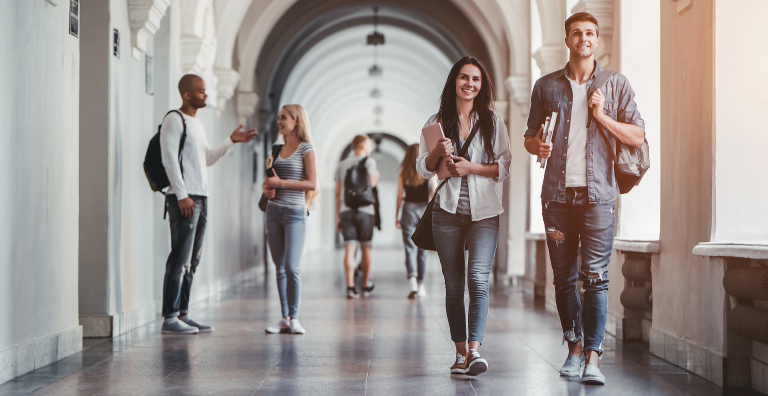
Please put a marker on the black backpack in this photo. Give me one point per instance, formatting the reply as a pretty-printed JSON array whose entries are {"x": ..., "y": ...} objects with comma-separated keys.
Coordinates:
[
  {"x": 357, "y": 186},
  {"x": 153, "y": 160}
]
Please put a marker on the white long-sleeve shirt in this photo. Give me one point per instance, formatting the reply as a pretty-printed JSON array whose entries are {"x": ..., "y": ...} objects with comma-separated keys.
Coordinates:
[
  {"x": 195, "y": 157},
  {"x": 485, "y": 193}
]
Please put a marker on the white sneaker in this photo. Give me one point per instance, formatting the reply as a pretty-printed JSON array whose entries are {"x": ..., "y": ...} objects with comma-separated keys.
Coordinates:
[
  {"x": 422, "y": 291},
  {"x": 352, "y": 293},
  {"x": 296, "y": 327},
  {"x": 282, "y": 327},
  {"x": 414, "y": 287},
  {"x": 572, "y": 366},
  {"x": 368, "y": 290},
  {"x": 178, "y": 327},
  {"x": 592, "y": 376}
]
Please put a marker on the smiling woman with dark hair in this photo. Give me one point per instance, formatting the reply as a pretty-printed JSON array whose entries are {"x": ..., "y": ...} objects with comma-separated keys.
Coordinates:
[{"x": 469, "y": 203}]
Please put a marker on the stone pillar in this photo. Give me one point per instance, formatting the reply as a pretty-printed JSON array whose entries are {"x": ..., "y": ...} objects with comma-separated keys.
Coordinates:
[
  {"x": 94, "y": 293},
  {"x": 519, "y": 89}
]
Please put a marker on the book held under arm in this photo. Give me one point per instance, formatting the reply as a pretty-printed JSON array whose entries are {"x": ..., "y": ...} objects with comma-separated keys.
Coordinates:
[
  {"x": 433, "y": 134},
  {"x": 549, "y": 132}
]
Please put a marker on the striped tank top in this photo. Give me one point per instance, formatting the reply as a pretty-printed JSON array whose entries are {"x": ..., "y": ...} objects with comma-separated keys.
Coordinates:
[{"x": 291, "y": 168}]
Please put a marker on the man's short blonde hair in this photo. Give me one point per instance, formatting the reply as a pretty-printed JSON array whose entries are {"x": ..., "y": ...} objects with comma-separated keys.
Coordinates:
[{"x": 359, "y": 140}]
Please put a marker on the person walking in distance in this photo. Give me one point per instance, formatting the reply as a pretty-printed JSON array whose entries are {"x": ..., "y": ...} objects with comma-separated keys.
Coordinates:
[
  {"x": 186, "y": 200},
  {"x": 291, "y": 191},
  {"x": 579, "y": 190},
  {"x": 469, "y": 204},
  {"x": 413, "y": 192},
  {"x": 355, "y": 214}
]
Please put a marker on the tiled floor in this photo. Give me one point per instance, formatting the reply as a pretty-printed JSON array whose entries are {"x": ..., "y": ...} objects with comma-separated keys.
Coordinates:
[{"x": 385, "y": 345}]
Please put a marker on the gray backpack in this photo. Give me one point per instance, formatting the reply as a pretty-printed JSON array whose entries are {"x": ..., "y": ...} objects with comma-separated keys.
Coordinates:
[{"x": 629, "y": 163}]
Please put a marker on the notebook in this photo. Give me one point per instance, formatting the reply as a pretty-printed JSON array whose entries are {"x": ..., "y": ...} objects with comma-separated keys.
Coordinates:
[{"x": 432, "y": 134}]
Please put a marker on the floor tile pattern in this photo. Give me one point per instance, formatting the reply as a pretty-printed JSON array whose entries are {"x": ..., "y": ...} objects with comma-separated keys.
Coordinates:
[{"x": 383, "y": 345}]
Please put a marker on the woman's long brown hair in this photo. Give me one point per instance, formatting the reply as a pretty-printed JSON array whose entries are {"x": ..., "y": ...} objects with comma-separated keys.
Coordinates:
[{"x": 408, "y": 174}]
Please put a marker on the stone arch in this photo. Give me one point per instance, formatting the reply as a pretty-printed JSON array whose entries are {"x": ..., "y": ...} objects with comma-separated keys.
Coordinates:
[{"x": 265, "y": 18}]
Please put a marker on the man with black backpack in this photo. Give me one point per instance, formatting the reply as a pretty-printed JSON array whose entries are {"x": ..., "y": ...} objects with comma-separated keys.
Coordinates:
[
  {"x": 185, "y": 155},
  {"x": 596, "y": 115},
  {"x": 356, "y": 177}
]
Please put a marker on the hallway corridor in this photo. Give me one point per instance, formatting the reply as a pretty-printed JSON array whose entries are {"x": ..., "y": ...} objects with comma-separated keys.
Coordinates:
[{"x": 384, "y": 345}]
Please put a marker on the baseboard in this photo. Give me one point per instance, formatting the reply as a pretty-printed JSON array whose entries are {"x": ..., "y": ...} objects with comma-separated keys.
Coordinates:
[
  {"x": 628, "y": 329},
  {"x": 23, "y": 358},
  {"x": 759, "y": 377},
  {"x": 98, "y": 326},
  {"x": 688, "y": 355}
]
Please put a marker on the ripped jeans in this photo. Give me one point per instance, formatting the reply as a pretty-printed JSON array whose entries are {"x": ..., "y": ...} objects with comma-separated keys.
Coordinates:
[{"x": 568, "y": 224}]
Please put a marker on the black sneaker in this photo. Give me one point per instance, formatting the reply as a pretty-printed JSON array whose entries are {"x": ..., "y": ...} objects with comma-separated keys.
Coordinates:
[{"x": 352, "y": 293}]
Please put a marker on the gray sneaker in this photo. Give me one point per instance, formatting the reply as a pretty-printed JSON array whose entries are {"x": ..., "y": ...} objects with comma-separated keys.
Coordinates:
[
  {"x": 178, "y": 327},
  {"x": 572, "y": 366},
  {"x": 592, "y": 375},
  {"x": 201, "y": 327}
]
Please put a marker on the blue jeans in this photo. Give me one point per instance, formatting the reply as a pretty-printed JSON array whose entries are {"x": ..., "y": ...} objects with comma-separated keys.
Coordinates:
[
  {"x": 412, "y": 212},
  {"x": 451, "y": 232},
  {"x": 186, "y": 247},
  {"x": 286, "y": 230},
  {"x": 568, "y": 224}
]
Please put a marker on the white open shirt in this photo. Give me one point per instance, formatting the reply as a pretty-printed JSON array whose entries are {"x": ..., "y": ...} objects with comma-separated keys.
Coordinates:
[{"x": 484, "y": 193}]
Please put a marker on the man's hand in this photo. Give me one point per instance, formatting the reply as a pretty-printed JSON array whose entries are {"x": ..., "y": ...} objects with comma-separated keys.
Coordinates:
[
  {"x": 460, "y": 168},
  {"x": 338, "y": 223},
  {"x": 536, "y": 146},
  {"x": 397, "y": 224},
  {"x": 274, "y": 181},
  {"x": 444, "y": 147},
  {"x": 596, "y": 103},
  {"x": 240, "y": 136},
  {"x": 187, "y": 207}
]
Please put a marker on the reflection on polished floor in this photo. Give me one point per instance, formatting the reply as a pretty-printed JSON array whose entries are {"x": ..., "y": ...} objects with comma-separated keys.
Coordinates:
[{"x": 384, "y": 345}]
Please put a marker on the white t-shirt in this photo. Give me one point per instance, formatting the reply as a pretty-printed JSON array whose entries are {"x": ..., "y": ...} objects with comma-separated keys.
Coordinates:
[
  {"x": 576, "y": 160},
  {"x": 195, "y": 156}
]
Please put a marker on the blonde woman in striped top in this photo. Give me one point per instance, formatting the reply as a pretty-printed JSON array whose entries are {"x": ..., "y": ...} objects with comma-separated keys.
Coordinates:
[{"x": 290, "y": 191}]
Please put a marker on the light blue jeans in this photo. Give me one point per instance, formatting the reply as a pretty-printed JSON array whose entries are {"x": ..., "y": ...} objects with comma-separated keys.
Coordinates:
[
  {"x": 415, "y": 258},
  {"x": 286, "y": 230},
  {"x": 451, "y": 232}
]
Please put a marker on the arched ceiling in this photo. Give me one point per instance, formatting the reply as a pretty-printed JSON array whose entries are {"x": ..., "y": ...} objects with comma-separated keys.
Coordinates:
[
  {"x": 266, "y": 62},
  {"x": 331, "y": 81},
  {"x": 313, "y": 52}
]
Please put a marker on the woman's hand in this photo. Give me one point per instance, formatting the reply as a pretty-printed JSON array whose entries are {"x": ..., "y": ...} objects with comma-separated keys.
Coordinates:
[
  {"x": 268, "y": 192},
  {"x": 274, "y": 181},
  {"x": 444, "y": 147},
  {"x": 460, "y": 168}
]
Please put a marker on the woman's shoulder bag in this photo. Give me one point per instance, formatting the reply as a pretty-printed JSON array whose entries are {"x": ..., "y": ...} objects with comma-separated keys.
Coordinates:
[{"x": 422, "y": 236}]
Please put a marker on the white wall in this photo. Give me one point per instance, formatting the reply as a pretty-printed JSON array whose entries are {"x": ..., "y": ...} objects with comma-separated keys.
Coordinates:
[
  {"x": 39, "y": 173},
  {"x": 122, "y": 282},
  {"x": 640, "y": 60},
  {"x": 741, "y": 139}
]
